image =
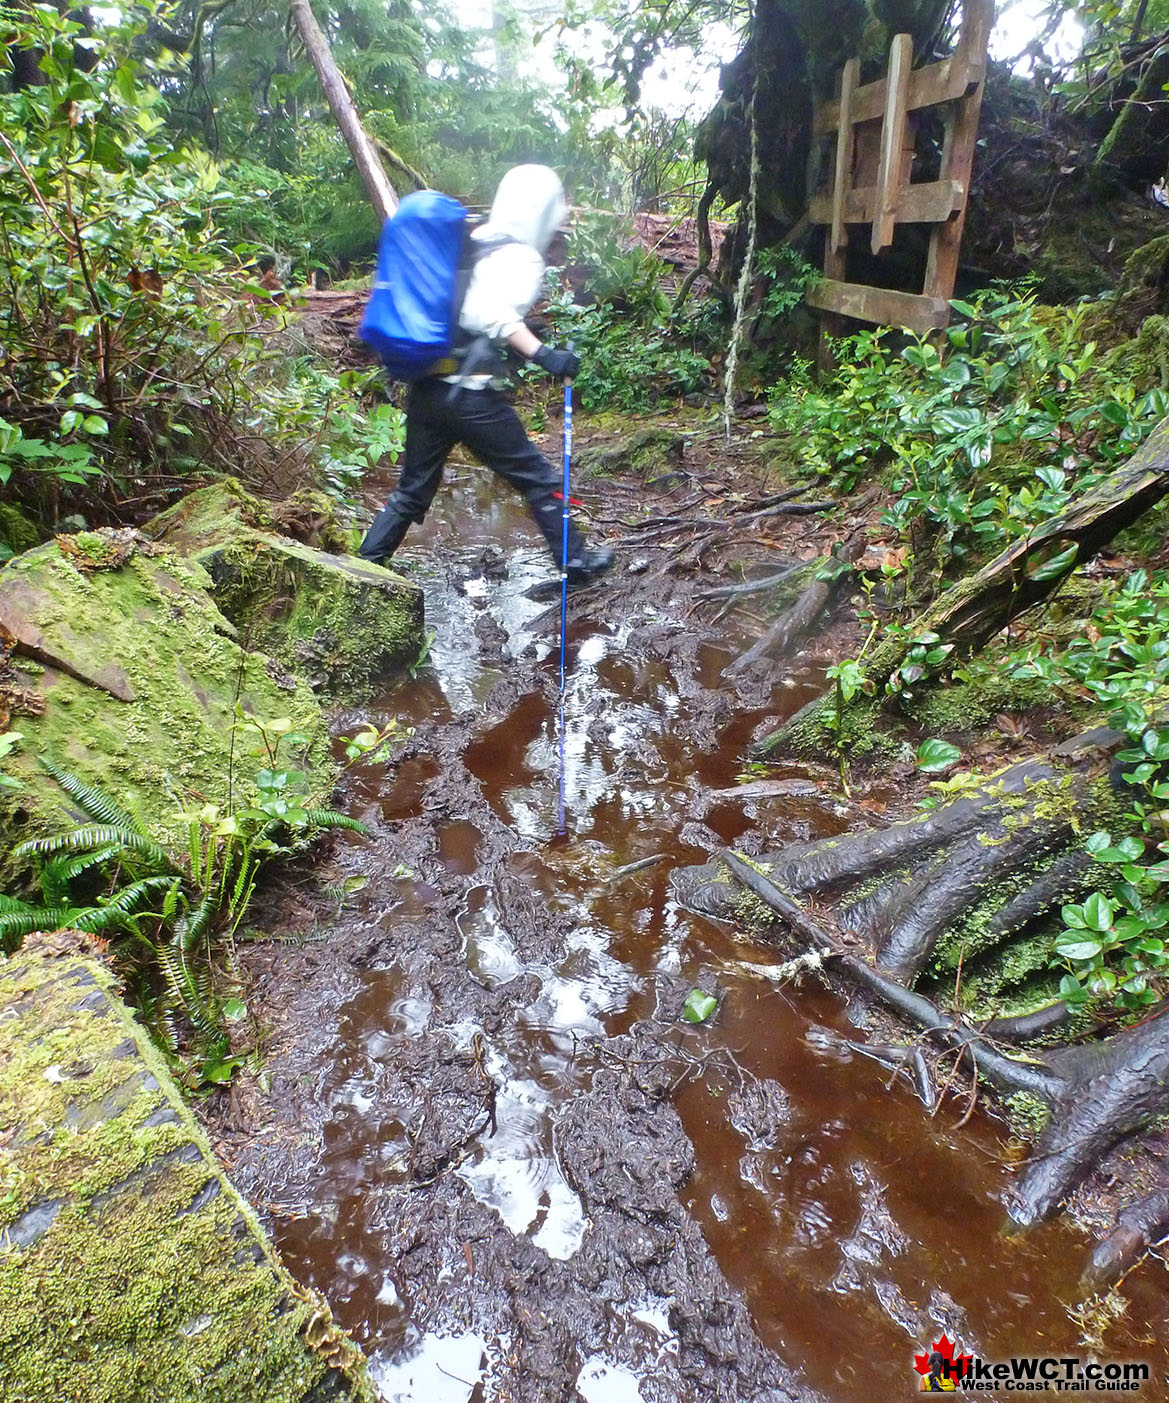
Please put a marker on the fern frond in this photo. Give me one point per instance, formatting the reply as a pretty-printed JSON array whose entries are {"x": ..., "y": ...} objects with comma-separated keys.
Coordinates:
[
  {"x": 75, "y": 866},
  {"x": 15, "y": 925},
  {"x": 113, "y": 914},
  {"x": 188, "y": 991},
  {"x": 80, "y": 839},
  {"x": 189, "y": 932},
  {"x": 297, "y": 939},
  {"x": 244, "y": 885},
  {"x": 330, "y": 818},
  {"x": 170, "y": 904},
  {"x": 54, "y": 882},
  {"x": 93, "y": 801},
  {"x": 11, "y": 903}
]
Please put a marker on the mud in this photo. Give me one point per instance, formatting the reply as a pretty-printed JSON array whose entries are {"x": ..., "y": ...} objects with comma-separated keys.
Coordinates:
[{"x": 481, "y": 1127}]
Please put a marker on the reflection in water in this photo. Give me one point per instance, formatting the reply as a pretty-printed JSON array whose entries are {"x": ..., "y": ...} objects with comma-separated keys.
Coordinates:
[
  {"x": 432, "y": 1369},
  {"x": 854, "y": 1224}
]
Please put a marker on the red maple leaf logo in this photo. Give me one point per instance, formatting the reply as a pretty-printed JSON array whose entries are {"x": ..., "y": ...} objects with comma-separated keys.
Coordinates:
[{"x": 955, "y": 1365}]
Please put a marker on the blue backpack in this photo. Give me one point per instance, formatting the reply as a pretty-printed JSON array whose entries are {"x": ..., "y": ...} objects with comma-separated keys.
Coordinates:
[{"x": 423, "y": 265}]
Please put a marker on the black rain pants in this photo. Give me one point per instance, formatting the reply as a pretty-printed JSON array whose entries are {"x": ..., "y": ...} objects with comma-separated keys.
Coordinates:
[{"x": 439, "y": 416}]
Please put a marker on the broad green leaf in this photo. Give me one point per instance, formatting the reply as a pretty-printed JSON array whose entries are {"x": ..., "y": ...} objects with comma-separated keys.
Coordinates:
[
  {"x": 1098, "y": 911},
  {"x": 698, "y": 1006},
  {"x": 1078, "y": 949},
  {"x": 1057, "y": 565},
  {"x": 936, "y": 755}
]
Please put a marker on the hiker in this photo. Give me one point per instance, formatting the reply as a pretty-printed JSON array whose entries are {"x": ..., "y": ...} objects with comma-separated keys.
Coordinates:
[{"x": 456, "y": 401}]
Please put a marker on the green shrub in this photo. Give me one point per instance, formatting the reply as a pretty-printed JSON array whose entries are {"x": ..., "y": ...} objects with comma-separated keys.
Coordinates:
[{"x": 982, "y": 439}]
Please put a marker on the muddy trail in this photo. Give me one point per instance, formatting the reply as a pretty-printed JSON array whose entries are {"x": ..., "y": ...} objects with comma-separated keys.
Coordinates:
[{"x": 483, "y": 1130}]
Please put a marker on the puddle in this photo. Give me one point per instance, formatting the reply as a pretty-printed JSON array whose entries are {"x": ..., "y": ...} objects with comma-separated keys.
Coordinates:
[
  {"x": 855, "y": 1227},
  {"x": 433, "y": 1368}
]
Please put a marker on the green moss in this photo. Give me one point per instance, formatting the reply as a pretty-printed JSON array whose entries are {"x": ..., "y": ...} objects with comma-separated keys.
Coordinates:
[
  {"x": 209, "y": 517},
  {"x": 340, "y": 622},
  {"x": 153, "y": 1279},
  {"x": 1028, "y": 1115},
  {"x": 646, "y": 453},
  {"x": 18, "y": 532},
  {"x": 336, "y": 620},
  {"x": 171, "y": 747}
]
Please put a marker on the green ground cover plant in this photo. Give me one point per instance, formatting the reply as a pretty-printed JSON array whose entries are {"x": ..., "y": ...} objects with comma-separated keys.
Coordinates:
[
  {"x": 980, "y": 437},
  {"x": 171, "y": 921}
]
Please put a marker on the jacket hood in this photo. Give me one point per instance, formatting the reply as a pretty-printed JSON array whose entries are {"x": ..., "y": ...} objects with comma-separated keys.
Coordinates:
[{"x": 529, "y": 206}]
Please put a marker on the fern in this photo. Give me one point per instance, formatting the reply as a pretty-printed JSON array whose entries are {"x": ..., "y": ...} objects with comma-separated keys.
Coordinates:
[
  {"x": 170, "y": 904},
  {"x": 94, "y": 802},
  {"x": 244, "y": 885},
  {"x": 12, "y": 903},
  {"x": 15, "y": 925},
  {"x": 195, "y": 925},
  {"x": 86, "y": 838},
  {"x": 73, "y": 867},
  {"x": 112, "y": 912},
  {"x": 194, "y": 996},
  {"x": 54, "y": 881},
  {"x": 330, "y": 818}
]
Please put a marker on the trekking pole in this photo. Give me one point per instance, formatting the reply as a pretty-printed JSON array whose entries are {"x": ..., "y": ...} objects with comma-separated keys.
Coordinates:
[{"x": 564, "y": 582}]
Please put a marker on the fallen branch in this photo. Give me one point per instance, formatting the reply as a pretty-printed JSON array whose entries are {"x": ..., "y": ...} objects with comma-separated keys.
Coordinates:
[{"x": 795, "y": 621}]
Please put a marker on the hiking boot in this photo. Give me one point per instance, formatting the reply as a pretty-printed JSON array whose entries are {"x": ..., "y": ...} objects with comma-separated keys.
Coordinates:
[{"x": 588, "y": 565}]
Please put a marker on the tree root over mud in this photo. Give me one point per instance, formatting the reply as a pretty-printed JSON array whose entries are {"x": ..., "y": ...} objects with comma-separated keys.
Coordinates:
[
  {"x": 801, "y": 616},
  {"x": 916, "y": 881}
]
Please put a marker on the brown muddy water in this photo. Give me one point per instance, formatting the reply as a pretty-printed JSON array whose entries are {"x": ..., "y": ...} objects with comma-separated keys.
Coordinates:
[{"x": 519, "y": 1174}]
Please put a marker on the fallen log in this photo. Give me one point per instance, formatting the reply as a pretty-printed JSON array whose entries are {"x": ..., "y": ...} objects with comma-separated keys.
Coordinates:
[{"x": 1026, "y": 573}]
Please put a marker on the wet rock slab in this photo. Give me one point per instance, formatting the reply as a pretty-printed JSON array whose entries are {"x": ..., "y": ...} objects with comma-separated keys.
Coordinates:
[
  {"x": 130, "y": 1267},
  {"x": 336, "y": 620},
  {"x": 125, "y": 674}
]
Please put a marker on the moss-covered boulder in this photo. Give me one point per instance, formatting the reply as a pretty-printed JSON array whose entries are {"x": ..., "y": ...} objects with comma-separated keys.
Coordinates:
[
  {"x": 336, "y": 620},
  {"x": 651, "y": 453},
  {"x": 130, "y": 1268},
  {"x": 121, "y": 670},
  {"x": 18, "y": 531}
]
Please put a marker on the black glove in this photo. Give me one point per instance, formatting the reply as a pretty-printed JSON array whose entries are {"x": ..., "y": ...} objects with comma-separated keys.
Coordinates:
[{"x": 561, "y": 365}]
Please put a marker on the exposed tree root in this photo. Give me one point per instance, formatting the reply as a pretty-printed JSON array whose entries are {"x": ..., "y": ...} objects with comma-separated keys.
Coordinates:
[
  {"x": 1138, "y": 1228},
  {"x": 1001, "y": 1071},
  {"x": 921, "y": 878},
  {"x": 797, "y": 620}
]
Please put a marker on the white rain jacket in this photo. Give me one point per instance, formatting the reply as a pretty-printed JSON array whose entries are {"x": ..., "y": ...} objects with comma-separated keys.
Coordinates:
[{"x": 528, "y": 208}]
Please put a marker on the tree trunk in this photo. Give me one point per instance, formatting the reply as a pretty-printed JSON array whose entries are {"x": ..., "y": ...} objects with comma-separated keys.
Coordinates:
[
  {"x": 975, "y": 609},
  {"x": 362, "y": 149}
]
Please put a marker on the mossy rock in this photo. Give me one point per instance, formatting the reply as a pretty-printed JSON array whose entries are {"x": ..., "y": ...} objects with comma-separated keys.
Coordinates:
[
  {"x": 337, "y": 621},
  {"x": 649, "y": 453},
  {"x": 129, "y": 679},
  {"x": 18, "y": 532},
  {"x": 130, "y": 1267}
]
